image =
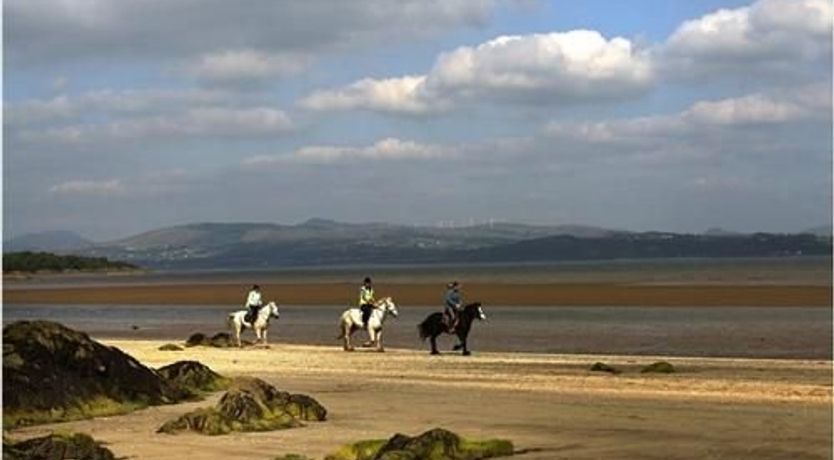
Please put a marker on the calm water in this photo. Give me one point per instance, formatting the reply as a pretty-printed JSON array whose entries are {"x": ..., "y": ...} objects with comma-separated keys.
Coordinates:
[{"x": 725, "y": 331}]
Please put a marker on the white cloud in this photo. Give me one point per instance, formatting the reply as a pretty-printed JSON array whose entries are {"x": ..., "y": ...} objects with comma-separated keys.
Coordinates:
[
  {"x": 246, "y": 66},
  {"x": 558, "y": 68},
  {"x": 384, "y": 149},
  {"x": 768, "y": 33},
  {"x": 398, "y": 95},
  {"x": 86, "y": 187}
]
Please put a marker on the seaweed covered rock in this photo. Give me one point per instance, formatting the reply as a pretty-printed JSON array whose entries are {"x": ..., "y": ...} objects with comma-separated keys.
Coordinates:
[
  {"x": 250, "y": 405},
  {"x": 660, "y": 367},
  {"x": 57, "y": 447},
  {"x": 433, "y": 444},
  {"x": 602, "y": 367},
  {"x": 170, "y": 347},
  {"x": 219, "y": 340},
  {"x": 53, "y": 373},
  {"x": 193, "y": 377}
]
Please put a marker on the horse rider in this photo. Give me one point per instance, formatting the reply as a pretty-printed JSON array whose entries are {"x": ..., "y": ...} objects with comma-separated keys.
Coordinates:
[
  {"x": 453, "y": 302},
  {"x": 253, "y": 302},
  {"x": 366, "y": 300}
]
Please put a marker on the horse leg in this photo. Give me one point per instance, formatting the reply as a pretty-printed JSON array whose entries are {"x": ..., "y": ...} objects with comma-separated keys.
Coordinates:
[
  {"x": 466, "y": 351},
  {"x": 264, "y": 334},
  {"x": 237, "y": 334},
  {"x": 371, "y": 337},
  {"x": 434, "y": 345},
  {"x": 348, "y": 331},
  {"x": 379, "y": 347}
]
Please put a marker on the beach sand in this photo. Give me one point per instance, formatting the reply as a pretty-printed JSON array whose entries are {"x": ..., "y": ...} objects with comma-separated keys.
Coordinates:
[{"x": 711, "y": 408}]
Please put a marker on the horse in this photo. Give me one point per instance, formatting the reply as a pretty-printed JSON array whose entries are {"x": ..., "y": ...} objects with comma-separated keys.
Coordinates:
[
  {"x": 237, "y": 321},
  {"x": 434, "y": 325},
  {"x": 351, "y": 321}
]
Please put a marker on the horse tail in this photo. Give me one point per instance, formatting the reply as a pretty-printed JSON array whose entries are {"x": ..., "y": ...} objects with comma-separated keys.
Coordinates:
[
  {"x": 341, "y": 327},
  {"x": 423, "y": 329}
]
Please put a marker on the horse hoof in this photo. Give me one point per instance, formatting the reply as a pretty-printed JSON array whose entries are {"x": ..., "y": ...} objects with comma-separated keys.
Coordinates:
[
  {"x": 380, "y": 350},
  {"x": 457, "y": 347},
  {"x": 434, "y": 352},
  {"x": 467, "y": 353}
]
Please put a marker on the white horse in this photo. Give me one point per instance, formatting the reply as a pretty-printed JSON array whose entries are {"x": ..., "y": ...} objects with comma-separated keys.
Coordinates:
[
  {"x": 351, "y": 322},
  {"x": 237, "y": 321}
]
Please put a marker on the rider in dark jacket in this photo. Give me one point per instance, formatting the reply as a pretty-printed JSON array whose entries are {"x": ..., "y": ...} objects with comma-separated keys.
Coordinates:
[{"x": 453, "y": 301}]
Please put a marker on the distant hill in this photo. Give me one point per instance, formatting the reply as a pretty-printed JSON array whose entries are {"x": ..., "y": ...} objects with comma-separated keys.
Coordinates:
[
  {"x": 822, "y": 230},
  {"x": 47, "y": 241},
  {"x": 327, "y": 242}
]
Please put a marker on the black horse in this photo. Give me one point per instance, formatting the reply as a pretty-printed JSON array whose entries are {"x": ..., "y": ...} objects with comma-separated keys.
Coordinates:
[{"x": 434, "y": 325}]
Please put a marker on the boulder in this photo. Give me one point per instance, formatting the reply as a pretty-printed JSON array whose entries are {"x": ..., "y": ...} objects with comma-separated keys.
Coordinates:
[
  {"x": 250, "y": 404},
  {"x": 433, "y": 444},
  {"x": 661, "y": 367},
  {"x": 52, "y": 373},
  {"x": 602, "y": 367},
  {"x": 219, "y": 340},
  {"x": 193, "y": 377},
  {"x": 170, "y": 347},
  {"x": 196, "y": 339},
  {"x": 57, "y": 447}
]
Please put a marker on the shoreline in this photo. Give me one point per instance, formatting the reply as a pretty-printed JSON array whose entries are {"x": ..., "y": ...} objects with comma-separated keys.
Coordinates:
[{"x": 509, "y": 294}]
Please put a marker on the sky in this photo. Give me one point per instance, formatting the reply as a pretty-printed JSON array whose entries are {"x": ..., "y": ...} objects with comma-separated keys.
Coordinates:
[{"x": 125, "y": 116}]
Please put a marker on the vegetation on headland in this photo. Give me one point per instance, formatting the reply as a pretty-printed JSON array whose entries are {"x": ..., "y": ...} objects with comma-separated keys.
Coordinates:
[
  {"x": 32, "y": 262},
  {"x": 57, "y": 446}
]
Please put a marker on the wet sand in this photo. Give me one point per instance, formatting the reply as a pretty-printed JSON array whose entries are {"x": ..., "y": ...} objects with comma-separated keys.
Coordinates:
[
  {"x": 569, "y": 294},
  {"x": 712, "y": 408}
]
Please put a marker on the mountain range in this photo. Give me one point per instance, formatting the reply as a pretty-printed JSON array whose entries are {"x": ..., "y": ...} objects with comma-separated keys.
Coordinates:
[{"x": 321, "y": 241}]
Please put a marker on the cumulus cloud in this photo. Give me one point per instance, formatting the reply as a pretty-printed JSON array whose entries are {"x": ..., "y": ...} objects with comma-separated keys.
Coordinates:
[
  {"x": 108, "y": 102},
  {"x": 190, "y": 124},
  {"x": 246, "y": 66},
  {"x": 560, "y": 68},
  {"x": 88, "y": 187},
  {"x": 770, "y": 34},
  {"x": 45, "y": 31},
  {"x": 384, "y": 149}
]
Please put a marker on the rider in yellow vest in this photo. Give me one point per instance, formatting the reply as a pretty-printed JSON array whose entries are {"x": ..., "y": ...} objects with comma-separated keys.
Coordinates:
[{"x": 366, "y": 300}]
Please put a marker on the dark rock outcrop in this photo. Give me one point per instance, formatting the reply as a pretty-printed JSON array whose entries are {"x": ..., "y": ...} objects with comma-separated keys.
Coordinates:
[
  {"x": 57, "y": 447},
  {"x": 170, "y": 347},
  {"x": 602, "y": 367},
  {"x": 53, "y": 373},
  {"x": 250, "y": 405},
  {"x": 219, "y": 340},
  {"x": 193, "y": 378},
  {"x": 432, "y": 445},
  {"x": 660, "y": 367}
]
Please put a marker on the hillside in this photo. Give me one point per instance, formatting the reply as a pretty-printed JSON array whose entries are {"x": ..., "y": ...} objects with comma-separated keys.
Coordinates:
[{"x": 55, "y": 241}]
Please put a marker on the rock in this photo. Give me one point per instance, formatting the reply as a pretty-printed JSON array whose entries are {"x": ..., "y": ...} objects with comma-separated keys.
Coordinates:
[
  {"x": 196, "y": 339},
  {"x": 57, "y": 447},
  {"x": 170, "y": 347},
  {"x": 661, "y": 367},
  {"x": 52, "y": 373},
  {"x": 433, "y": 444},
  {"x": 193, "y": 377},
  {"x": 602, "y": 367},
  {"x": 219, "y": 340},
  {"x": 250, "y": 405}
]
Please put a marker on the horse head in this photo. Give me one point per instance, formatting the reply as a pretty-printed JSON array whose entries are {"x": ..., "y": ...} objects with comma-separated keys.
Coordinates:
[
  {"x": 475, "y": 310},
  {"x": 388, "y": 306},
  {"x": 272, "y": 308}
]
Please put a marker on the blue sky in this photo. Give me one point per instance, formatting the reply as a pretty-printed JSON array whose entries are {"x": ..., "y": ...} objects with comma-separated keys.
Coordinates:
[{"x": 122, "y": 117}]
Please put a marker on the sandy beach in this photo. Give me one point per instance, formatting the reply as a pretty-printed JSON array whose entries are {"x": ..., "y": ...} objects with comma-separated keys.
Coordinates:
[{"x": 551, "y": 404}]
